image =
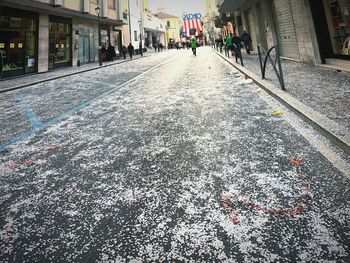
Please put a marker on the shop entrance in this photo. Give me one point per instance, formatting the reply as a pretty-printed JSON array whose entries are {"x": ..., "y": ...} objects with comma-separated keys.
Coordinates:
[
  {"x": 18, "y": 53},
  {"x": 334, "y": 16},
  {"x": 60, "y": 54},
  {"x": 117, "y": 35},
  {"x": 86, "y": 46}
]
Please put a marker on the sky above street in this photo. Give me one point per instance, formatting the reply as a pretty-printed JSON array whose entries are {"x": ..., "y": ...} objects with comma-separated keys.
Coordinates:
[{"x": 179, "y": 7}]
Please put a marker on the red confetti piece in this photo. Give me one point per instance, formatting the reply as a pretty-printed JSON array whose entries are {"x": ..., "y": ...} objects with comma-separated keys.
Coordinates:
[
  {"x": 67, "y": 186},
  {"x": 13, "y": 165},
  {"x": 296, "y": 161},
  {"x": 234, "y": 217},
  {"x": 298, "y": 208},
  {"x": 246, "y": 77},
  {"x": 29, "y": 162},
  {"x": 48, "y": 148}
]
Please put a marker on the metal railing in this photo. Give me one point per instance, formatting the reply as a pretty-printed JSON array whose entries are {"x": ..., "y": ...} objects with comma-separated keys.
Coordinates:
[
  {"x": 238, "y": 53},
  {"x": 276, "y": 64}
]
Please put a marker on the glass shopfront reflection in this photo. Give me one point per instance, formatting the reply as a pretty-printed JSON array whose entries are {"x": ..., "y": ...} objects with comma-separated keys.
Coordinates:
[
  {"x": 18, "y": 53},
  {"x": 338, "y": 16},
  {"x": 60, "y": 38}
]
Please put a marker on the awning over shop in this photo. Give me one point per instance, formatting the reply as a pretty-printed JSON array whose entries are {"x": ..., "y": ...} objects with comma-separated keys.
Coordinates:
[
  {"x": 153, "y": 30},
  {"x": 231, "y": 5}
]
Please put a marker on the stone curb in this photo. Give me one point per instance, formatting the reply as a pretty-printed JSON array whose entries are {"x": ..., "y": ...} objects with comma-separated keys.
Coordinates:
[
  {"x": 65, "y": 75},
  {"x": 332, "y": 130}
]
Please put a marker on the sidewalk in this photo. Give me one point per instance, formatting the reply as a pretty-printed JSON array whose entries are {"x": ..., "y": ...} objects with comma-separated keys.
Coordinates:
[
  {"x": 325, "y": 90},
  {"x": 324, "y": 93},
  {"x": 23, "y": 81}
]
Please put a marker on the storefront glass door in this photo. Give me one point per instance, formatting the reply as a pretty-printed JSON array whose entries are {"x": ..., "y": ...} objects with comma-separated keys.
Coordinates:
[
  {"x": 59, "y": 45},
  {"x": 86, "y": 53}
]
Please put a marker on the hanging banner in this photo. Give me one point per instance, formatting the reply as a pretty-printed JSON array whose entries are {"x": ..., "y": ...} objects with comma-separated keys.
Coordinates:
[{"x": 192, "y": 24}]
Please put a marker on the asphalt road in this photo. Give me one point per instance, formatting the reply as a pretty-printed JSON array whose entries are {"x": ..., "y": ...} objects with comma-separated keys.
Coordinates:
[{"x": 170, "y": 158}]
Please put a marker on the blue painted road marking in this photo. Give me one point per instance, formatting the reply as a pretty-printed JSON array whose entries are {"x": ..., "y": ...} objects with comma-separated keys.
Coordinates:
[
  {"x": 37, "y": 125},
  {"x": 33, "y": 119}
]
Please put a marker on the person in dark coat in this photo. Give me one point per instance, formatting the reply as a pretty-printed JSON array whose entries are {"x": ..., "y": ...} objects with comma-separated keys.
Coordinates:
[
  {"x": 247, "y": 41},
  {"x": 124, "y": 51},
  {"x": 236, "y": 40},
  {"x": 131, "y": 50},
  {"x": 104, "y": 53},
  {"x": 140, "y": 49},
  {"x": 111, "y": 53},
  {"x": 1, "y": 62}
]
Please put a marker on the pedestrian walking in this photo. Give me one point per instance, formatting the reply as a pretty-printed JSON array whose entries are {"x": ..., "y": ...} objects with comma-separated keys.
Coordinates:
[
  {"x": 155, "y": 47},
  {"x": 229, "y": 40},
  {"x": 246, "y": 39},
  {"x": 161, "y": 47},
  {"x": 124, "y": 51},
  {"x": 194, "y": 45},
  {"x": 140, "y": 48},
  {"x": 104, "y": 53},
  {"x": 131, "y": 50},
  {"x": 111, "y": 53},
  {"x": 1, "y": 62}
]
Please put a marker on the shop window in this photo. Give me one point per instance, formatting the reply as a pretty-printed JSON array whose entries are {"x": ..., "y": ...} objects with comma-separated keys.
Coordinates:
[
  {"x": 135, "y": 35},
  {"x": 339, "y": 21},
  {"x": 168, "y": 23},
  {"x": 17, "y": 46},
  {"x": 124, "y": 6},
  {"x": 59, "y": 45}
]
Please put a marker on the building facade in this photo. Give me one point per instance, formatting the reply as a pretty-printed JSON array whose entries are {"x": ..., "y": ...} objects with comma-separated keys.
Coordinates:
[
  {"x": 154, "y": 30},
  {"x": 136, "y": 27},
  {"x": 211, "y": 32},
  {"x": 42, "y": 35},
  {"x": 312, "y": 31},
  {"x": 173, "y": 27}
]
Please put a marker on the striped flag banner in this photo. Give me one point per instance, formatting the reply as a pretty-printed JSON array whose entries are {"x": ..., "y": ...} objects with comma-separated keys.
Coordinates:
[{"x": 191, "y": 22}]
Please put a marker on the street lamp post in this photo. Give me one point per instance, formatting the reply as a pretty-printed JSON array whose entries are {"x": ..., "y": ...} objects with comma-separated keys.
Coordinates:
[
  {"x": 140, "y": 46},
  {"x": 98, "y": 9}
]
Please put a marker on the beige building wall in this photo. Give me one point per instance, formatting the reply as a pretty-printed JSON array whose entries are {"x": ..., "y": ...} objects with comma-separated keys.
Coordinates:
[
  {"x": 265, "y": 29},
  {"x": 173, "y": 31},
  {"x": 78, "y": 22}
]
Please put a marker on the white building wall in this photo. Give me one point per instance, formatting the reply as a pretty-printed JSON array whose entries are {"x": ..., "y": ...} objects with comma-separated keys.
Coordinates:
[{"x": 135, "y": 7}]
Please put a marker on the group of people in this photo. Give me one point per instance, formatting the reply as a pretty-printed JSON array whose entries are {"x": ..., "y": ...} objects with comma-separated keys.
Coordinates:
[
  {"x": 108, "y": 54},
  {"x": 245, "y": 40},
  {"x": 158, "y": 47},
  {"x": 130, "y": 49}
]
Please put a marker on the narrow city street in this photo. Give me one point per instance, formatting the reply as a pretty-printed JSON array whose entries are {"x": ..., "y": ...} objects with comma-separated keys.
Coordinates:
[{"x": 168, "y": 158}]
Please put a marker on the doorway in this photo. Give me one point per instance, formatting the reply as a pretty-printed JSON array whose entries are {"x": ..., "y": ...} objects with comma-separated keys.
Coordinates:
[
  {"x": 332, "y": 26},
  {"x": 86, "y": 46}
]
